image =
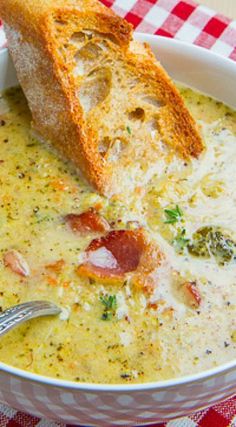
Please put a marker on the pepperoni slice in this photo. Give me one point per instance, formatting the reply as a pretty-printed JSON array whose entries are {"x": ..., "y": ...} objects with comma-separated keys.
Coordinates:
[
  {"x": 15, "y": 261},
  {"x": 113, "y": 255},
  {"x": 87, "y": 222}
]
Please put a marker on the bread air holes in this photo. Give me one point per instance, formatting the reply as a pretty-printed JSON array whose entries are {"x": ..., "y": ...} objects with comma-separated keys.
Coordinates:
[
  {"x": 105, "y": 37},
  {"x": 137, "y": 114},
  {"x": 60, "y": 23},
  {"x": 152, "y": 101},
  {"x": 104, "y": 145},
  {"x": 133, "y": 83},
  {"x": 95, "y": 89},
  {"x": 80, "y": 37},
  {"x": 59, "y": 27},
  {"x": 63, "y": 50},
  {"x": 86, "y": 58},
  {"x": 152, "y": 127},
  {"x": 111, "y": 149}
]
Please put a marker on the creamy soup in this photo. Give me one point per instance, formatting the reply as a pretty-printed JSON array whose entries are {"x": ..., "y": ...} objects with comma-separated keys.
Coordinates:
[{"x": 115, "y": 332}]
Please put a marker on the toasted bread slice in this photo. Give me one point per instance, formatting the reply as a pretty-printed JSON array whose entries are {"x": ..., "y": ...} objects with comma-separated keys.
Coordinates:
[{"x": 100, "y": 98}]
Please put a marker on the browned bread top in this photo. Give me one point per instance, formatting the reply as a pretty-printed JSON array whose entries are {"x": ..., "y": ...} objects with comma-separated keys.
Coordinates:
[
  {"x": 35, "y": 14},
  {"x": 102, "y": 99}
]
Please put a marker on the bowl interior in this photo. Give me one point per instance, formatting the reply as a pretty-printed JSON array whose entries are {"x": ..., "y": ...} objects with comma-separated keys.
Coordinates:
[{"x": 195, "y": 67}]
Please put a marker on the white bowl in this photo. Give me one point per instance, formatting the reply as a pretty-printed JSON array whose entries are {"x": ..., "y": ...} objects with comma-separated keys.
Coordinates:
[{"x": 115, "y": 405}]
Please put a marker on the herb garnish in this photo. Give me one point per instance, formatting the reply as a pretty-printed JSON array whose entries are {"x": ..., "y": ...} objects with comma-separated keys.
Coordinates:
[
  {"x": 129, "y": 130},
  {"x": 125, "y": 376},
  {"x": 33, "y": 144},
  {"x": 42, "y": 218},
  {"x": 110, "y": 306},
  {"x": 180, "y": 241},
  {"x": 173, "y": 215}
]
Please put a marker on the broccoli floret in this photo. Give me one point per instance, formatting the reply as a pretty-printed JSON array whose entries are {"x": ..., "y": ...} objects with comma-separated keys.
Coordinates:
[{"x": 213, "y": 241}]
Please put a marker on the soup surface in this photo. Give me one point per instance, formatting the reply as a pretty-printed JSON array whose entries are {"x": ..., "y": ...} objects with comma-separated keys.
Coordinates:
[{"x": 114, "y": 331}]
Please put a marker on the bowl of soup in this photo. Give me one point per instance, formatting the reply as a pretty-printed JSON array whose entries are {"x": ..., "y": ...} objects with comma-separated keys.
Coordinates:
[{"x": 118, "y": 354}]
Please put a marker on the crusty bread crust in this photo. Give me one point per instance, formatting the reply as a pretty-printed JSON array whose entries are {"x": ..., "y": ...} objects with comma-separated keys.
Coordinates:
[{"x": 76, "y": 62}]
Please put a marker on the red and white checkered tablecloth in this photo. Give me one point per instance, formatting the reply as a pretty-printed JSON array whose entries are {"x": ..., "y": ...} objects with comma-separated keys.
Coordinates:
[{"x": 193, "y": 23}]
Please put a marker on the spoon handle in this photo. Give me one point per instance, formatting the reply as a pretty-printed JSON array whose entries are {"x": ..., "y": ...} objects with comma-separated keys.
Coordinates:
[{"x": 20, "y": 313}]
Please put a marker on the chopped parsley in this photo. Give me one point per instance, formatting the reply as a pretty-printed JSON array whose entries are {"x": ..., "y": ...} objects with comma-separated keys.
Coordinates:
[
  {"x": 125, "y": 376},
  {"x": 180, "y": 241},
  {"x": 32, "y": 144},
  {"x": 129, "y": 130},
  {"x": 42, "y": 218},
  {"x": 173, "y": 215},
  {"x": 110, "y": 305}
]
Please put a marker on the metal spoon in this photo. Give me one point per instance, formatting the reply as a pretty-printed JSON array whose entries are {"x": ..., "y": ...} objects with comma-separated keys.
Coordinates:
[{"x": 20, "y": 313}]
